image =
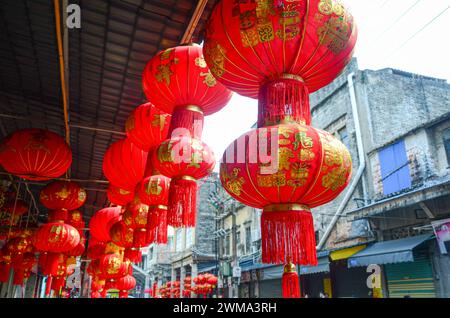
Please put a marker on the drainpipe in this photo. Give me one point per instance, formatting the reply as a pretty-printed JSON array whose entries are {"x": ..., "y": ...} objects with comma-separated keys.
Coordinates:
[{"x": 359, "y": 172}]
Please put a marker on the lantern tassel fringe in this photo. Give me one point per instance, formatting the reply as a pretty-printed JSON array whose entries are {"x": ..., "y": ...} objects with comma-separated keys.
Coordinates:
[
  {"x": 182, "y": 203},
  {"x": 288, "y": 236},
  {"x": 157, "y": 225},
  {"x": 290, "y": 284}
]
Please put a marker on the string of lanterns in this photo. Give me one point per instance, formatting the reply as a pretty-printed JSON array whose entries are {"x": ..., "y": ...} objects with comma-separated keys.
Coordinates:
[{"x": 279, "y": 53}]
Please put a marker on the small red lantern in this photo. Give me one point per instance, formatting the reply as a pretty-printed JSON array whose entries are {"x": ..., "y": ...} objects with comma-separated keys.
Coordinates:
[
  {"x": 62, "y": 195},
  {"x": 13, "y": 211},
  {"x": 184, "y": 160},
  {"x": 147, "y": 126},
  {"x": 35, "y": 154},
  {"x": 154, "y": 191},
  {"x": 124, "y": 284},
  {"x": 119, "y": 196},
  {"x": 56, "y": 237},
  {"x": 112, "y": 267},
  {"x": 121, "y": 235},
  {"x": 75, "y": 218},
  {"x": 124, "y": 164},
  {"x": 101, "y": 222}
]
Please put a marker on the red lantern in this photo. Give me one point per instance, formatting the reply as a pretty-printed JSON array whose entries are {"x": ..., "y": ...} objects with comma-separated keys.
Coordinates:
[
  {"x": 95, "y": 294},
  {"x": 184, "y": 160},
  {"x": 95, "y": 249},
  {"x": 23, "y": 268},
  {"x": 154, "y": 191},
  {"x": 124, "y": 164},
  {"x": 56, "y": 237},
  {"x": 289, "y": 282},
  {"x": 75, "y": 218},
  {"x": 135, "y": 215},
  {"x": 179, "y": 76},
  {"x": 101, "y": 222},
  {"x": 249, "y": 43},
  {"x": 147, "y": 126},
  {"x": 63, "y": 195},
  {"x": 13, "y": 212},
  {"x": 179, "y": 82},
  {"x": 312, "y": 168},
  {"x": 35, "y": 154},
  {"x": 112, "y": 267},
  {"x": 119, "y": 196},
  {"x": 79, "y": 249},
  {"x": 124, "y": 284},
  {"x": 5, "y": 265},
  {"x": 133, "y": 254},
  {"x": 121, "y": 235}
]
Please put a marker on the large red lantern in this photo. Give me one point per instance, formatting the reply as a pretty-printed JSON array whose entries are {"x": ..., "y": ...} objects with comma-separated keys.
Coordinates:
[
  {"x": 179, "y": 82},
  {"x": 280, "y": 51},
  {"x": 147, "y": 126},
  {"x": 311, "y": 168},
  {"x": 124, "y": 164},
  {"x": 35, "y": 154},
  {"x": 62, "y": 195},
  {"x": 119, "y": 196},
  {"x": 101, "y": 222},
  {"x": 250, "y": 42}
]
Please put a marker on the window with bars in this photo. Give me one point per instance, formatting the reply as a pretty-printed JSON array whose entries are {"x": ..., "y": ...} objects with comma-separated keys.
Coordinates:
[{"x": 447, "y": 144}]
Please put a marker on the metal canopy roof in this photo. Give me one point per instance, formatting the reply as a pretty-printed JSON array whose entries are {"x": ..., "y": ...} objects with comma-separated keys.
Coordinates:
[{"x": 106, "y": 58}]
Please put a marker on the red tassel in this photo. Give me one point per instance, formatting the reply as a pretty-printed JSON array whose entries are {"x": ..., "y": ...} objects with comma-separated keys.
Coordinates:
[
  {"x": 123, "y": 294},
  {"x": 133, "y": 254},
  {"x": 48, "y": 286},
  {"x": 58, "y": 283},
  {"x": 182, "y": 202},
  {"x": 140, "y": 238},
  {"x": 288, "y": 236},
  {"x": 50, "y": 263},
  {"x": 104, "y": 293},
  {"x": 157, "y": 224},
  {"x": 188, "y": 118},
  {"x": 290, "y": 283},
  {"x": 4, "y": 272},
  {"x": 283, "y": 100},
  {"x": 18, "y": 276}
]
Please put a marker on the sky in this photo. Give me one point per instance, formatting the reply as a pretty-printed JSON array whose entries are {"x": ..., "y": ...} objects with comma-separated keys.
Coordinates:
[{"x": 410, "y": 35}]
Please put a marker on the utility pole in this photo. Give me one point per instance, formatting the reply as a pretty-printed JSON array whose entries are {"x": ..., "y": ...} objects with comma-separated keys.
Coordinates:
[{"x": 235, "y": 262}]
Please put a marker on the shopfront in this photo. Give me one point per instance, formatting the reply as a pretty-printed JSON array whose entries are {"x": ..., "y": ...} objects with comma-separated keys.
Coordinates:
[
  {"x": 348, "y": 282},
  {"x": 405, "y": 264},
  {"x": 315, "y": 280}
]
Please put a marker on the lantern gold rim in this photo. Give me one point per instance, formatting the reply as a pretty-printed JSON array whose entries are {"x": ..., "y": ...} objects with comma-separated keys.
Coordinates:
[{"x": 280, "y": 207}]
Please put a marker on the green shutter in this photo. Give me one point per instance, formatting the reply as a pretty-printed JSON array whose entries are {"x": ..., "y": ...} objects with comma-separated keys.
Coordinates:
[{"x": 414, "y": 279}]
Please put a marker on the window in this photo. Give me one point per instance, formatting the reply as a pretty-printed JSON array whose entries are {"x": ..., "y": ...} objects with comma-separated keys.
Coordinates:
[
  {"x": 447, "y": 144},
  {"x": 248, "y": 240},
  {"x": 179, "y": 240},
  {"x": 394, "y": 168},
  {"x": 238, "y": 238},
  {"x": 189, "y": 237},
  {"x": 343, "y": 136}
]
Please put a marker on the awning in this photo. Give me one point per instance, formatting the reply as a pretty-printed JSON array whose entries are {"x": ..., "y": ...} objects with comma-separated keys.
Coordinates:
[
  {"x": 346, "y": 252},
  {"x": 395, "y": 251},
  {"x": 323, "y": 266}
]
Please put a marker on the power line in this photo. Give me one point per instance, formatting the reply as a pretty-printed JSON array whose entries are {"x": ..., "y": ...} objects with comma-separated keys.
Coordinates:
[
  {"x": 397, "y": 20},
  {"x": 418, "y": 32}
]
